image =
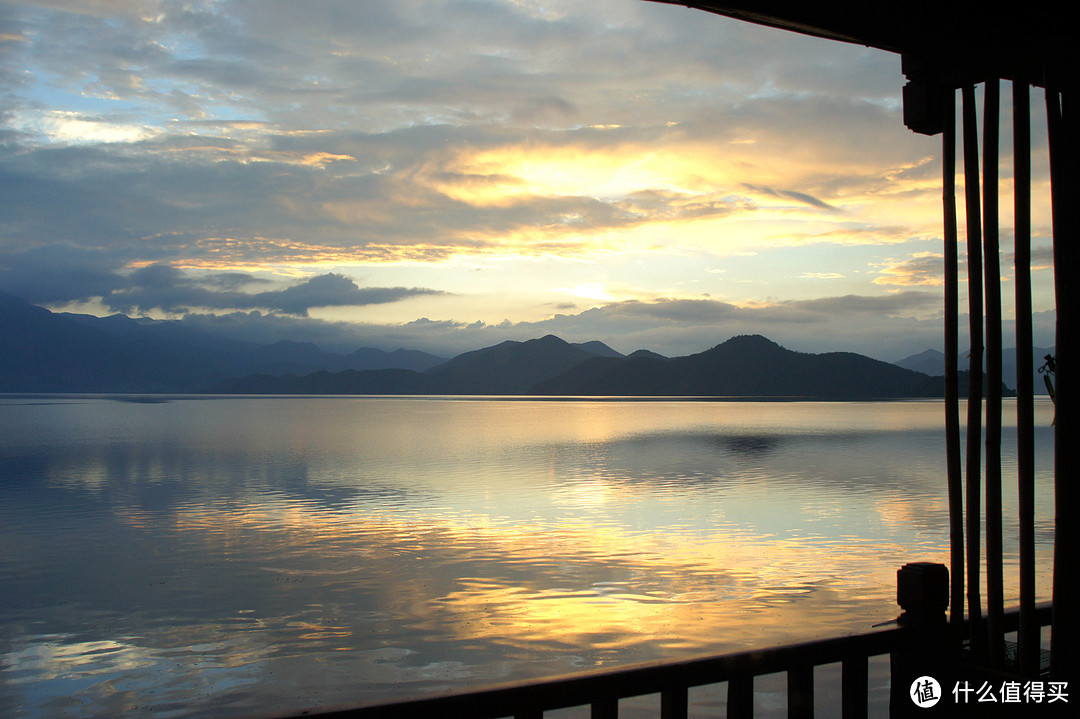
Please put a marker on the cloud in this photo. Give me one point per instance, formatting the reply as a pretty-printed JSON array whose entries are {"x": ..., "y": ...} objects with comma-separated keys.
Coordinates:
[
  {"x": 232, "y": 280},
  {"x": 419, "y": 130},
  {"x": 791, "y": 194},
  {"x": 880, "y": 305},
  {"x": 75, "y": 128},
  {"x": 204, "y": 156},
  {"x": 1042, "y": 258},
  {"x": 160, "y": 287},
  {"x": 58, "y": 273},
  {"x": 332, "y": 290},
  {"x": 809, "y": 200},
  {"x": 887, "y": 327},
  {"x": 922, "y": 268}
]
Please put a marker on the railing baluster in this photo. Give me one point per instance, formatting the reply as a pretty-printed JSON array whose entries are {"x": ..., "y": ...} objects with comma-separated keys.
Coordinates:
[
  {"x": 854, "y": 697},
  {"x": 740, "y": 697},
  {"x": 674, "y": 703},
  {"x": 800, "y": 692},
  {"x": 604, "y": 709}
]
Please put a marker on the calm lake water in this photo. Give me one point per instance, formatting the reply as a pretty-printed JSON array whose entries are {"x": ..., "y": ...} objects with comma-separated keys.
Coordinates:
[{"x": 223, "y": 556}]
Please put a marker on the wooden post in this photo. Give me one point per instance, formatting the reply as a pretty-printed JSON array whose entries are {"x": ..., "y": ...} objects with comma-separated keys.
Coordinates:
[
  {"x": 853, "y": 688},
  {"x": 995, "y": 595},
  {"x": 674, "y": 703},
  {"x": 740, "y": 697},
  {"x": 800, "y": 692},
  {"x": 952, "y": 351},
  {"x": 974, "y": 408},
  {"x": 1029, "y": 635},
  {"x": 922, "y": 591},
  {"x": 1065, "y": 654},
  {"x": 604, "y": 709}
]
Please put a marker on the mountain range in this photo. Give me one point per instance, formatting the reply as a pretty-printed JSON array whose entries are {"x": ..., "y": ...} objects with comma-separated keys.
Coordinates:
[
  {"x": 60, "y": 352},
  {"x": 744, "y": 366},
  {"x": 45, "y": 351}
]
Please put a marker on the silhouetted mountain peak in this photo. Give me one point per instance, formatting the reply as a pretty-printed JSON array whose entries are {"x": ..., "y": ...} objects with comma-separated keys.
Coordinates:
[
  {"x": 551, "y": 340},
  {"x": 645, "y": 354},
  {"x": 509, "y": 367},
  {"x": 12, "y": 304},
  {"x": 597, "y": 347},
  {"x": 293, "y": 350},
  {"x": 366, "y": 358},
  {"x": 64, "y": 352},
  {"x": 749, "y": 343},
  {"x": 53, "y": 352},
  {"x": 931, "y": 362},
  {"x": 744, "y": 366}
]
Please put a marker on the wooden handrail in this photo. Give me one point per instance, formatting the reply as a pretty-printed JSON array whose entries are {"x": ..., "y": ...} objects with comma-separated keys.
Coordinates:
[{"x": 602, "y": 689}]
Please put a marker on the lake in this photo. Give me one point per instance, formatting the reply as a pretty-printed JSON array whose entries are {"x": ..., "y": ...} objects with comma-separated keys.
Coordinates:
[{"x": 226, "y": 556}]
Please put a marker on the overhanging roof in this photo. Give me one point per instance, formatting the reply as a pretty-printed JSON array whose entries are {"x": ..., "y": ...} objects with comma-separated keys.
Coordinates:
[{"x": 962, "y": 41}]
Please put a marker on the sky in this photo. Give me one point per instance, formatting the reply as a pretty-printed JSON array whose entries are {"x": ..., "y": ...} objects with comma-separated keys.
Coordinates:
[{"x": 448, "y": 174}]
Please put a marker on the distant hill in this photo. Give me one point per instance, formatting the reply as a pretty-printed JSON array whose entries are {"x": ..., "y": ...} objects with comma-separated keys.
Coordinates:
[
  {"x": 507, "y": 368},
  {"x": 929, "y": 362},
  {"x": 745, "y": 366},
  {"x": 513, "y": 367},
  {"x": 932, "y": 362},
  {"x": 597, "y": 347},
  {"x": 646, "y": 353},
  {"x": 45, "y": 351},
  {"x": 369, "y": 358},
  {"x": 58, "y": 352}
]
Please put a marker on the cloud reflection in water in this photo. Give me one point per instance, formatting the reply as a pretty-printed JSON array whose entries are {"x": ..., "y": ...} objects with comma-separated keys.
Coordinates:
[{"x": 226, "y": 556}]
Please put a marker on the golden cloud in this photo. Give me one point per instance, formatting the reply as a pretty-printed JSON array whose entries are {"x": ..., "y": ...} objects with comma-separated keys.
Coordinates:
[
  {"x": 260, "y": 253},
  {"x": 921, "y": 269}
]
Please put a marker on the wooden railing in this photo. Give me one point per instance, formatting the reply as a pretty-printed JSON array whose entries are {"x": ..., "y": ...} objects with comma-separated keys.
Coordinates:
[{"x": 602, "y": 690}]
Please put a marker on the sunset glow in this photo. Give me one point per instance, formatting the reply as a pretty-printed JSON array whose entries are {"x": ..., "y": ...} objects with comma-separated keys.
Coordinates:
[{"x": 487, "y": 161}]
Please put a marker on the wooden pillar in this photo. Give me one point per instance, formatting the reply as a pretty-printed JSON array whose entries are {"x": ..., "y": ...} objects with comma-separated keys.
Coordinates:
[
  {"x": 1029, "y": 635},
  {"x": 974, "y": 408},
  {"x": 995, "y": 597},
  {"x": 952, "y": 351},
  {"x": 1063, "y": 157}
]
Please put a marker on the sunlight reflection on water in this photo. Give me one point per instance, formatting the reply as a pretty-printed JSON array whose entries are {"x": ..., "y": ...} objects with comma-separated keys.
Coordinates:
[{"x": 223, "y": 556}]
